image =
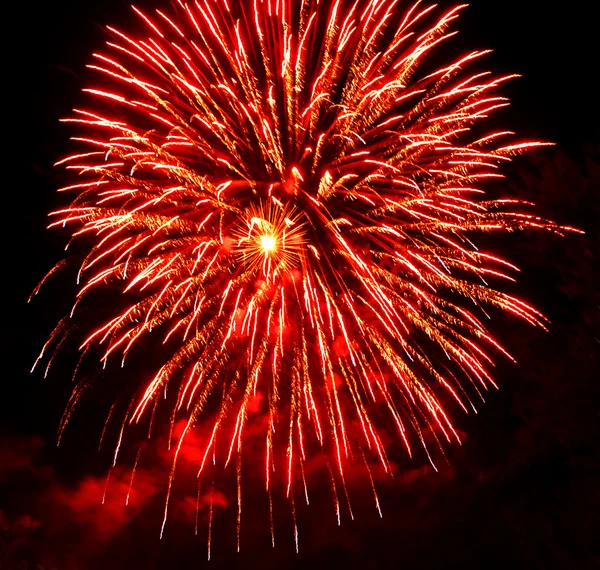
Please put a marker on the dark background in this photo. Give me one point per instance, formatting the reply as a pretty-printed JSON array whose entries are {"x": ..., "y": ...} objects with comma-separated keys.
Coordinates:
[{"x": 522, "y": 492}]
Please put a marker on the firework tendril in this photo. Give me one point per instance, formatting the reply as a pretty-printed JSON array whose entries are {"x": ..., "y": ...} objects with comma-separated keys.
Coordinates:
[{"x": 286, "y": 194}]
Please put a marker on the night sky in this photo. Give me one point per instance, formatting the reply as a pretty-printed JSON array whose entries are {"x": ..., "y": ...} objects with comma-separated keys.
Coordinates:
[{"x": 521, "y": 492}]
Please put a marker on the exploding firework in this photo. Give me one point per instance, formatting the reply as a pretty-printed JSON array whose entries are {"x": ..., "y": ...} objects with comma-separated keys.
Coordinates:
[{"x": 286, "y": 195}]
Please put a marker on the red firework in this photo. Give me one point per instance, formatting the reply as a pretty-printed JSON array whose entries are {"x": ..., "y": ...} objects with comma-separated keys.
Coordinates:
[{"x": 286, "y": 198}]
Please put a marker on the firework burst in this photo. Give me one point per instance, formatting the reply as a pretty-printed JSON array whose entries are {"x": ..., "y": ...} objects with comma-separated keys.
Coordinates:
[{"x": 288, "y": 200}]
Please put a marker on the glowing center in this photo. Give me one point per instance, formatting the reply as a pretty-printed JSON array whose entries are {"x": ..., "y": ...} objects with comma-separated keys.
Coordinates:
[{"x": 268, "y": 243}]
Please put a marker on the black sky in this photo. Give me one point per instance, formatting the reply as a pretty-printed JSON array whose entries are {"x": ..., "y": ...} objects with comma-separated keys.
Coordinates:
[{"x": 522, "y": 492}]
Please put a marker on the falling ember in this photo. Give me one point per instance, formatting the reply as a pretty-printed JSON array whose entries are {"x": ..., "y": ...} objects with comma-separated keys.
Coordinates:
[{"x": 288, "y": 194}]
